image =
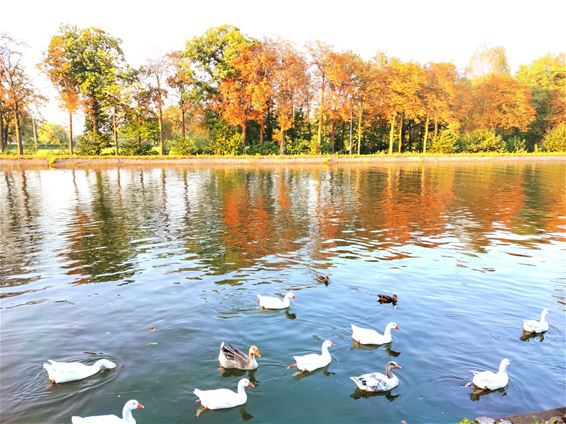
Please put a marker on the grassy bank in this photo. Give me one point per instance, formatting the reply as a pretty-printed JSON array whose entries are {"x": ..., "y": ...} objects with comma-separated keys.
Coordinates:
[{"x": 65, "y": 161}]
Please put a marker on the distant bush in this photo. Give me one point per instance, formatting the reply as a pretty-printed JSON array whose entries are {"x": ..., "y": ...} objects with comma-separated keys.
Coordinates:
[
  {"x": 298, "y": 147},
  {"x": 555, "y": 139},
  {"x": 131, "y": 147},
  {"x": 90, "y": 145},
  {"x": 479, "y": 141},
  {"x": 445, "y": 142},
  {"x": 223, "y": 145},
  {"x": 266, "y": 148},
  {"x": 516, "y": 145},
  {"x": 189, "y": 146}
]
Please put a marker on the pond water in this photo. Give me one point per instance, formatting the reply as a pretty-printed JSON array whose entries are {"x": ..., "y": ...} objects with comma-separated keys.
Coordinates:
[{"x": 153, "y": 268}]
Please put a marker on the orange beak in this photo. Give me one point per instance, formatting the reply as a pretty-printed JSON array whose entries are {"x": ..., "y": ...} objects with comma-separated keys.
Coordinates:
[
  {"x": 398, "y": 366},
  {"x": 250, "y": 384},
  {"x": 140, "y": 406},
  {"x": 397, "y": 328}
]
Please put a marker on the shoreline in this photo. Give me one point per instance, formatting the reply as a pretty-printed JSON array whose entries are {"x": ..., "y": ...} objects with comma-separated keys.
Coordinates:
[{"x": 126, "y": 161}]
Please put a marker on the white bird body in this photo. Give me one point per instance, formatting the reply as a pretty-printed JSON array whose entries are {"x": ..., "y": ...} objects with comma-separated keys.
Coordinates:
[
  {"x": 269, "y": 302},
  {"x": 224, "y": 398},
  {"x": 490, "y": 380},
  {"x": 534, "y": 326},
  {"x": 63, "y": 372},
  {"x": 314, "y": 361},
  {"x": 233, "y": 358},
  {"x": 376, "y": 381},
  {"x": 127, "y": 417},
  {"x": 371, "y": 337}
]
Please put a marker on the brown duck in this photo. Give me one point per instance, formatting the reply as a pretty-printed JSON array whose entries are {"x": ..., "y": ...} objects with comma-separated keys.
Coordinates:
[{"x": 384, "y": 298}]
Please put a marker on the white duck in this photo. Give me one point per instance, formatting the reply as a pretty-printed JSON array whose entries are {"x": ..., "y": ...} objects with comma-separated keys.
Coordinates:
[
  {"x": 488, "y": 380},
  {"x": 63, "y": 372},
  {"x": 534, "y": 326},
  {"x": 376, "y": 381},
  {"x": 127, "y": 417},
  {"x": 313, "y": 361},
  {"x": 372, "y": 337},
  {"x": 269, "y": 302},
  {"x": 223, "y": 398},
  {"x": 231, "y": 357}
]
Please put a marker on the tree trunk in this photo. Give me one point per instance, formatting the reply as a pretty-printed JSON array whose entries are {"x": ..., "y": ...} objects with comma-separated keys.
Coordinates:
[
  {"x": 183, "y": 125},
  {"x": 360, "y": 130},
  {"x": 401, "y": 133},
  {"x": 161, "y": 137},
  {"x": 425, "y": 134},
  {"x": 351, "y": 125},
  {"x": 332, "y": 134},
  {"x": 261, "y": 131},
  {"x": 70, "y": 132},
  {"x": 115, "y": 131},
  {"x": 282, "y": 144},
  {"x": 321, "y": 118},
  {"x": 435, "y": 127},
  {"x": 392, "y": 132},
  {"x": 34, "y": 130},
  {"x": 2, "y": 145},
  {"x": 18, "y": 129},
  {"x": 244, "y": 134}
]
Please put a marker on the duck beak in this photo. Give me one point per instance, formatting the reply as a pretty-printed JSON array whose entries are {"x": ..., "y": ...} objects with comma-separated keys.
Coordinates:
[
  {"x": 250, "y": 384},
  {"x": 257, "y": 352},
  {"x": 397, "y": 327},
  {"x": 140, "y": 406},
  {"x": 333, "y": 344},
  {"x": 398, "y": 366}
]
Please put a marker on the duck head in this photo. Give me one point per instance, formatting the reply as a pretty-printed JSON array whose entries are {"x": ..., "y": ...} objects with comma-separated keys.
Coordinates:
[
  {"x": 254, "y": 351},
  {"x": 327, "y": 343},
  {"x": 291, "y": 295},
  {"x": 105, "y": 363},
  {"x": 244, "y": 382},
  {"x": 392, "y": 326},
  {"x": 133, "y": 404}
]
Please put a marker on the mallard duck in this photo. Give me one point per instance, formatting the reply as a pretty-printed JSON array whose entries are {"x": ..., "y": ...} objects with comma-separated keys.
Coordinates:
[
  {"x": 313, "y": 361},
  {"x": 376, "y": 381},
  {"x": 223, "y": 398},
  {"x": 325, "y": 279},
  {"x": 534, "y": 326},
  {"x": 385, "y": 298},
  {"x": 231, "y": 357},
  {"x": 268, "y": 302},
  {"x": 372, "y": 337},
  {"x": 488, "y": 380},
  {"x": 63, "y": 372},
  {"x": 127, "y": 417}
]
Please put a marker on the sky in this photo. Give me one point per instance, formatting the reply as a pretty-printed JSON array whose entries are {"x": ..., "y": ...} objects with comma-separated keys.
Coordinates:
[{"x": 416, "y": 30}]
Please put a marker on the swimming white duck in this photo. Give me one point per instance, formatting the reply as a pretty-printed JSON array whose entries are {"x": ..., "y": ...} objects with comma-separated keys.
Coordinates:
[
  {"x": 488, "y": 380},
  {"x": 372, "y": 337},
  {"x": 269, "y": 302},
  {"x": 223, "y": 398},
  {"x": 127, "y": 417},
  {"x": 231, "y": 357},
  {"x": 534, "y": 326},
  {"x": 63, "y": 372},
  {"x": 313, "y": 361},
  {"x": 376, "y": 381}
]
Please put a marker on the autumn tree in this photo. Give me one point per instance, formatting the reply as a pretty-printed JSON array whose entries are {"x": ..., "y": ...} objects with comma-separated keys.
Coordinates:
[
  {"x": 488, "y": 60},
  {"x": 58, "y": 66},
  {"x": 156, "y": 70},
  {"x": 290, "y": 89},
  {"x": 320, "y": 54}
]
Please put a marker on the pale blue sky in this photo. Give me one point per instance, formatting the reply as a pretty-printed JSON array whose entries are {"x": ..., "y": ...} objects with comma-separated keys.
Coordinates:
[{"x": 422, "y": 31}]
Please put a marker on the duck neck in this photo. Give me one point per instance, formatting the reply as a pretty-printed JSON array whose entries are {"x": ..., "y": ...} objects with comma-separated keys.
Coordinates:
[
  {"x": 325, "y": 351},
  {"x": 502, "y": 368},
  {"x": 242, "y": 390},
  {"x": 251, "y": 359},
  {"x": 387, "y": 332},
  {"x": 543, "y": 315},
  {"x": 97, "y": 366},
  {"x": 389, "y": 370},
  {"x": 287, "y": 301},
  {"x": 127, "y": 416}
]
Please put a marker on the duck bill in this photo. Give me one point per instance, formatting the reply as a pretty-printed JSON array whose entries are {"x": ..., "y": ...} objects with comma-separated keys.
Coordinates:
[
  {"x": 398, "y": 366},
  {"x": 250, "y": 384},
  {"x": 140, "y": 406},
  {"x": 397, "y": 327}
]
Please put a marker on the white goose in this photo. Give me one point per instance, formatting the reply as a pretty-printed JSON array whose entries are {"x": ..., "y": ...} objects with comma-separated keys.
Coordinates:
[
  {"x": 376, "y": 381},
  {"x": 313, "y": 361},
  {"x": 534, "y": 326},
  {"x": 127, "y": 417},
  {"x": 372, "y": 337},
  {"x": 223, "y": 398},
  {"x": 269, "y": 302},
  {"x": 63, "y": 372},
  {"x": 488, "y": 380}
]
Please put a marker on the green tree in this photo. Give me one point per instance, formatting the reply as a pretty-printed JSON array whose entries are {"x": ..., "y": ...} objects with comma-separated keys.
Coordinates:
[
  {"x": 555, "y": 139},
  {"x": 52, "y": 133}
]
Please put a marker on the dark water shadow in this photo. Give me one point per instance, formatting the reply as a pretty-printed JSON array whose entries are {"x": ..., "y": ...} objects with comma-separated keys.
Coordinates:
[
  {"x": 477, "y": 394},
  {"x": 233, "y": 372},
  {"x": 299, "y": 375},
  {"x": 358, "y": 394},
  {"x": 386, "y": 347},
  {"x": 527, "y": 337},
  {"x": 242, "y": 409},
  {"x": 288, "y": 315}
]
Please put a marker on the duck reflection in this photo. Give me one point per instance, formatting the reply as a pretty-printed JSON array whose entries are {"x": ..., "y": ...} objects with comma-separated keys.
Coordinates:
[
  {"x": 239, "y": 373},
  {"x": 357, "y": 394},
  {"x": 288, "y": 315},
  {"x": 478, "y": 393},
  {"x": 299, "y": 375},
  {"x": 527, "y": 337},
  {"x": 386, "y": 347}
]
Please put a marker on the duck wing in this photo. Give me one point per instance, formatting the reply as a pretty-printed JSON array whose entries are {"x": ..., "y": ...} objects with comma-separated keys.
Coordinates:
[
  {"x": 373, "y": 382},
  {"x": 233, "y": 354}
]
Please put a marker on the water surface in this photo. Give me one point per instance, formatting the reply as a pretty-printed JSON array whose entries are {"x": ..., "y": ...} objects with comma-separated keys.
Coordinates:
[{"x": 153, "y": 268}]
